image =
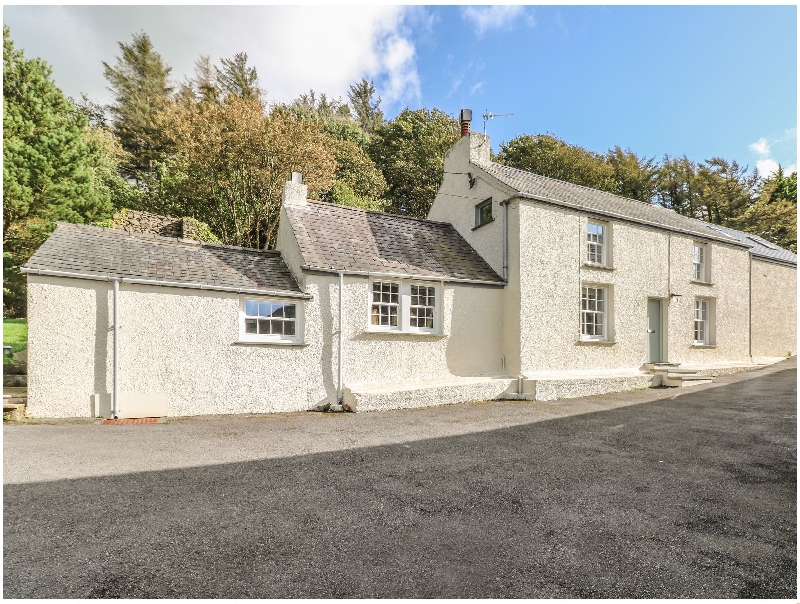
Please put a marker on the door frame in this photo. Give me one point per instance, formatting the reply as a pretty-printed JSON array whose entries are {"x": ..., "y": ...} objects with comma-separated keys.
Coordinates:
[{"x": 663, "y": 316}]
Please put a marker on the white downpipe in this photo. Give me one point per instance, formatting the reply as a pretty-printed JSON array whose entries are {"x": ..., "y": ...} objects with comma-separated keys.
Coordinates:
[
  {"x": 505, "y": 239},
  {"x": 341, "y": 338},
  {"x": 115, "y": 405}
]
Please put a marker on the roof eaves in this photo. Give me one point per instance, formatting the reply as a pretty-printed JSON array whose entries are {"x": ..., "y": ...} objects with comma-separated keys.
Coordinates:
[
  {"x": 159, "y": 283},
  {"x": 443, "y": 278}
]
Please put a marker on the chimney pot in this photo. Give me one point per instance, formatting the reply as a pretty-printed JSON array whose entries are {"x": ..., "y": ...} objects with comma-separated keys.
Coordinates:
[
  {"x": 297, "y": 178},
  {"x": 465, "y": 119}
]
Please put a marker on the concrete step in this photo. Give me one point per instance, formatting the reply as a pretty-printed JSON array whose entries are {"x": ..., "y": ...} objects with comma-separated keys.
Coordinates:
[
  {"x": 566, "y": 387},
  {"x": 426, "y": 393},
  {"x": 13, "y": 411},
  {"x": 682, "y": 380}
]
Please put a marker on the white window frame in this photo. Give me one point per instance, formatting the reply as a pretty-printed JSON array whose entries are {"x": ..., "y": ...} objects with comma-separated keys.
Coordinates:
[
  {"x": 702, "y": 321},
  {"x": 598, "y": 243},
  {"x": 297, "y": 338},
  {"x": 604, "y": 313},
  {"x": 405, "y": 306},
  {"x": 700, "y": 262}
]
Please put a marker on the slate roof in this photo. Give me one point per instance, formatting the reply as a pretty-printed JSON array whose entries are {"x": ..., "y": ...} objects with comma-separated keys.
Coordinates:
[
  {"x": 333, "y": 236},
  {"x": 603, "y": 203},
  {"x": 760, "y": 248},
  {"x": 109, "y": 253}
]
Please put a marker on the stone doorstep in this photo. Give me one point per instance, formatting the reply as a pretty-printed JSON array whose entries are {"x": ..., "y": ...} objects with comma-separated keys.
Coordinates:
[{"x": 15, "y": 411}]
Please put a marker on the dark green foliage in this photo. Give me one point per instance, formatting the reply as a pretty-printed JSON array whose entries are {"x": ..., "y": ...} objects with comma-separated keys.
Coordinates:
[
  {"x": 774, "y": 215},
  {"x": 409, "y": 151},
  {"x": 368, "y": 113},
  {"x": 634, "y": 177},
  {"x": 139, "y": 81},
  {"x": 550, "y": 156},
  {"x": 54, "y": 168},
  {"x": 234, "y": 77}
]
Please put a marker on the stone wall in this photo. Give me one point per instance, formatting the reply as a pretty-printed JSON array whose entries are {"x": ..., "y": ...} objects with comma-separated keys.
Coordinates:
[{"x": 135, "y": 221}]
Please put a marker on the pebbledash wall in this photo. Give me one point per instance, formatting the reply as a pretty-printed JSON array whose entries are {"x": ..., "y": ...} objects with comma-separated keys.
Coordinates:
[
  {"x": 774, "y": 312},
  {"x": 184, "y": 342},
  {"x": 647, "y": 263},
  {"x": 546, "y": 269}
]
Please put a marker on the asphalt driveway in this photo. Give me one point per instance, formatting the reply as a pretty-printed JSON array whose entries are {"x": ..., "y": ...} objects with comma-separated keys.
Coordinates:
[{"x": 647, "y": 494}]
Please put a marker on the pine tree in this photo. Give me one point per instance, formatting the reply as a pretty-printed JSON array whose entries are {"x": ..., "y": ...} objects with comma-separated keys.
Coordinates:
[
  {"x": 368, "y": 112},
  {"x": 236, "y": 78},
  {"x": 54, "y": 168},
  {"x": 140, "y": 83}
]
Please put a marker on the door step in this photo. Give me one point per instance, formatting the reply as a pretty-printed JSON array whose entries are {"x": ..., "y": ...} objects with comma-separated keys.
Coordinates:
[{"x": 674, "y": 377}]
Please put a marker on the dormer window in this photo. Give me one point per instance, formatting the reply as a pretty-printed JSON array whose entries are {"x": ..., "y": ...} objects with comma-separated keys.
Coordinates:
[{"x": 483, "y": 213}]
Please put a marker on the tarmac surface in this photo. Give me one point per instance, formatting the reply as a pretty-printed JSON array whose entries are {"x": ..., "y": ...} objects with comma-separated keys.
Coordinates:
[{"x": 655, "y": 493}]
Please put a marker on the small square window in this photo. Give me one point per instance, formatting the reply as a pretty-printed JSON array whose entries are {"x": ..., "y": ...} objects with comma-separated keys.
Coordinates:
[
  {"x": 269, "y": 320},
  {"x": 483, "y": 213}
]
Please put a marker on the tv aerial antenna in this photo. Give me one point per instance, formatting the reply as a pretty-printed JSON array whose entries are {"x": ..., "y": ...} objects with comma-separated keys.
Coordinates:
[{"x": 488, "y": 115}]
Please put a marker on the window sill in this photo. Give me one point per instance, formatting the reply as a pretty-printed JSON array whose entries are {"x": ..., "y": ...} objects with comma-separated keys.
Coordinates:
[
  {"x": 595, "y": 342},
  {"x": 482, "y": 225},
  {"x": 703, "y": 346},
  {"x": 700, "y": 282},
  {"x": 601, "y": 267},
  {"x": 266, "y": 343},
  {"x": 417, "y": 334}
]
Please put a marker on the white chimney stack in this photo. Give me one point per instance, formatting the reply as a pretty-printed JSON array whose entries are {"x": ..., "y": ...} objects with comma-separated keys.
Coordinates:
[{"x": 294, "y": 191}]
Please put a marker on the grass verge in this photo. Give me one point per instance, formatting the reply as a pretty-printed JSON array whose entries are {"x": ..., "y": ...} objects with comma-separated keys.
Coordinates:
[{"x": 15, "y": 334}]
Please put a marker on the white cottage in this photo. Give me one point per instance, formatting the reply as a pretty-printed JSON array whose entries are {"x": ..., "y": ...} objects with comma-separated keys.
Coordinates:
[{"x": 517, "y": 286}]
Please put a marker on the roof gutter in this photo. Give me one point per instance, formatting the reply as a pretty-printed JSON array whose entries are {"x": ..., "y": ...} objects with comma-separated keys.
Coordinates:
[
  {"x": 319, "y": 269},
  {"x": 772, "y": 260},
  {"x": 178, "y": 284}
]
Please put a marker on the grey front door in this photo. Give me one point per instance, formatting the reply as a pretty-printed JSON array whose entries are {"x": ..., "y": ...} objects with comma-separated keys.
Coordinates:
[{"x": 654, "y": 322}]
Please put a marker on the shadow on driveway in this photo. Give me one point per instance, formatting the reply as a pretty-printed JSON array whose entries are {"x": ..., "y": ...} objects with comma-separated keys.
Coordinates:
[{"x": 688, "y": 497}]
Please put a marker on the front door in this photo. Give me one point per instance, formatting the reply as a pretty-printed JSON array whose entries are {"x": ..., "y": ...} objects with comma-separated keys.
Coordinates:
[{"x": 654, "y": 329}]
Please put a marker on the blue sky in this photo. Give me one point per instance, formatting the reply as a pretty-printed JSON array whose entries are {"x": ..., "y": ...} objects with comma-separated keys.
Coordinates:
[{"x": 701, "y": 81}]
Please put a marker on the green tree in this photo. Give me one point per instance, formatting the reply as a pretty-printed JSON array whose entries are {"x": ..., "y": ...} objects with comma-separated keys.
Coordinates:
[
  {"x": 139, "y": 81},
  {"x": 409, "y": 151},
  {"x": 53, "y": 166},
  {"x": 774, "y": 214},
  {"x": 234, "y": 77},
  {"x": 634, "y": 177},
  {"x": 727, "y": 191},
  {"x": 229, "y": 163},
  {"x": 368, "y": 113},
  {"x": 677, "y": 186},
  {"x": 550, "y": 156},
  {"x": 320, "y": 107}
]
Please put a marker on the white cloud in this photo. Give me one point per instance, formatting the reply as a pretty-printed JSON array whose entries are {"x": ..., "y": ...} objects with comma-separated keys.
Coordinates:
[
  {"x": 476, "y": 88},
  {"x": 401, "y": 81},
  {"x": 761, "y": 147},
  {"x": 772, "y": 152},
  {"x": 485, "y": 18},
  {"x": 767, "y": 167},
  {"x": 294, "y": 48}
]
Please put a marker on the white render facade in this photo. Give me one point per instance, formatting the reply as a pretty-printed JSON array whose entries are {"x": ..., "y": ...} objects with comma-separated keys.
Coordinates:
[
  {"x": 498, "y": 288},
  {"x": 694, "y": 291}
]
